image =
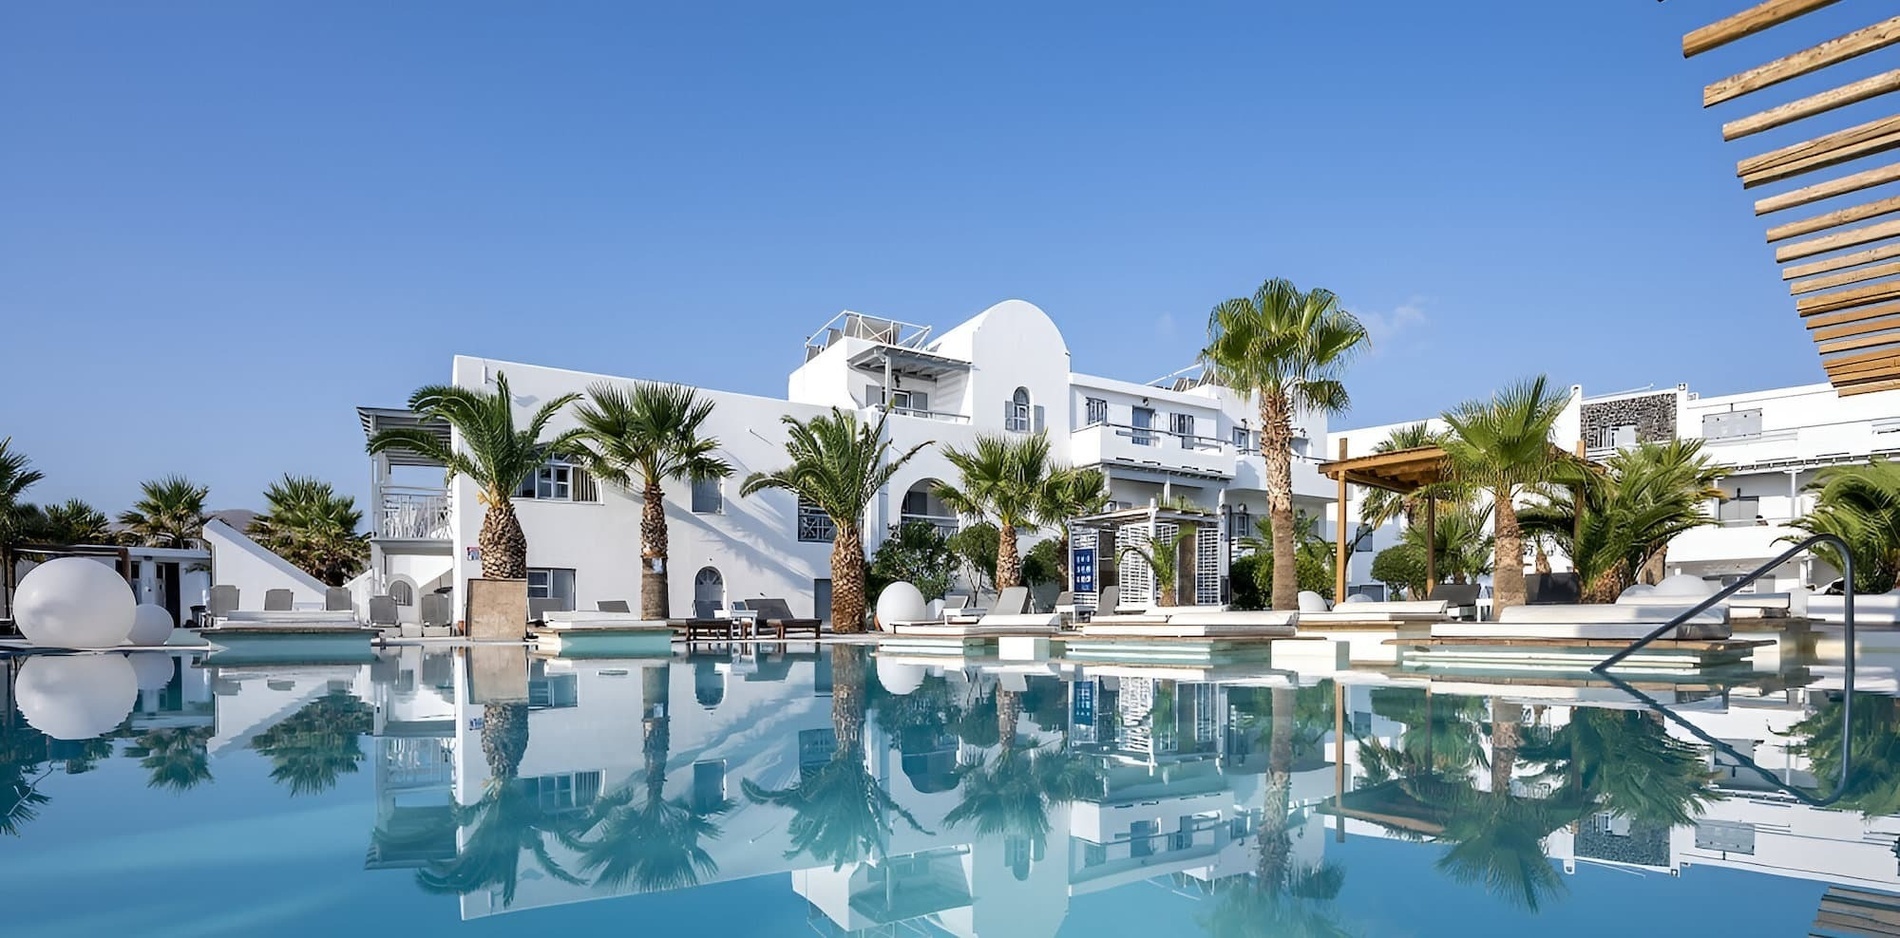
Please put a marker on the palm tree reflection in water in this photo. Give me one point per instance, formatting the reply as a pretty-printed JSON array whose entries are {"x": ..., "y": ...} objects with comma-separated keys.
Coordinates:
[
  {"x": 1013, "y": 793},
  {"x": 314, "y": 747},
  {"x": 176, "y": 758}
]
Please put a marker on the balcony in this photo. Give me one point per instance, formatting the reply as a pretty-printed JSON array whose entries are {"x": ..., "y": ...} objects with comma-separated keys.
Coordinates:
[
  {"x": 1140, "y": 447},
  {"x": 946, "y": 525},
  {"x": 414, "y": 514}
]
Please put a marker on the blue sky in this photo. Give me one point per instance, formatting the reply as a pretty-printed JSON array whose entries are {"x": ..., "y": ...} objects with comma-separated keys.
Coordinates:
[{"x": 224, "y": 225}]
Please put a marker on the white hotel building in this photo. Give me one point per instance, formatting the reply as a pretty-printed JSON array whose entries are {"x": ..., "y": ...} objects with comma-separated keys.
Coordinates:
[{"x": 1008, "y": 370}]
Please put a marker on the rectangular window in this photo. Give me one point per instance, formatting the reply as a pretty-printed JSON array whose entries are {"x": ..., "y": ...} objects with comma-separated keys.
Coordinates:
[
  {"x": 1144, "y": 422},
  {"x": 1243, "y": 440},
  {"x": 1301, "y": 445},
  {"x": 707, "y": 498},
  {"x": 559, "y": 481},
  {"x": 1183, "y": 427},
  {"x": 554, "y": 691},
  {"x": 558, "y": 793},
  {"x": 709, "y": 786},
  {"x": 814, "y": 526},
  {"x": 551, "y": 583},
  {"x": 1095, "y": 411}
]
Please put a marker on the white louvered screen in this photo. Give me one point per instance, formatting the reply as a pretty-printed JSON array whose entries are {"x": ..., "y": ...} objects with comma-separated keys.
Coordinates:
[{"x": 1207, "y": 566}]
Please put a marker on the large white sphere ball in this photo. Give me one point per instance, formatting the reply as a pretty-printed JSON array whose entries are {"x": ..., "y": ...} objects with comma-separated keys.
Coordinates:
[
  {"x": 1358, "y": 598},
  {"x": 899, "y": 678},
  {"x": 152, "y": 668},
  {"x": 1636, "y": 592},
  {"x": 151, "y": 626},
  {"x": 1312, "y": 602},
  {"x": 900, "y": 602},
  {"x": 1685, "y": 585},
  {"x": 73, "y": 602},
  {"x": 76, "y": 696}
]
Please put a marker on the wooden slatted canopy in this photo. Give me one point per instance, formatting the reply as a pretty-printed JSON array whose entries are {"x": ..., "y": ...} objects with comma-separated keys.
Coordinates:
[{"x": 1856, "y": 326}]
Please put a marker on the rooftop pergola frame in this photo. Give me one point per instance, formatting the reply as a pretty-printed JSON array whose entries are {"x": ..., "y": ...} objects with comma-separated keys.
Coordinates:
[
  {"x": 1847, "y": 251},
  {"x": 1402, "y": 471}
]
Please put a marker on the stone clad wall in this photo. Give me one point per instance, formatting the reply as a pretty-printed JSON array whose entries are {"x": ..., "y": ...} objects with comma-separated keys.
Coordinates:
[{"x": 1653, "y": 414}]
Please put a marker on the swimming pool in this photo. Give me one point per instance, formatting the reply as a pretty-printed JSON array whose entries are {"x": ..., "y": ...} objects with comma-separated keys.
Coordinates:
[{"x": 781, "y": 790}]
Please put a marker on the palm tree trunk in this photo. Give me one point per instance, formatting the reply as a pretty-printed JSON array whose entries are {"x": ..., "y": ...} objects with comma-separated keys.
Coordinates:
[
  {"x": 504, "y": 739},
  {"x": 847, "y": 695},
  {"x": 1009, "y": 709},
  {"x": 504, "y": 548},
  {"x": 1507, "y": 571},
  {"x": 653, "y": 593},
  {"x": 1009, "y": 560},
  {"x": 1276, "y": 846},
  {"x": 1604, "y": 587},
  {"x": 1655, "y": 566},
  {"x": 1507, "y": 724},
  {"x": 656, "y": 734},
  {"x": 1062, "y": 558},
  {"x": 847, "y": 580},
  {"x": 1276, "y": 447}
]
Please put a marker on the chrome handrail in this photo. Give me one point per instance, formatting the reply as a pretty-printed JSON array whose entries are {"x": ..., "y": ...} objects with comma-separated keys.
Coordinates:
[{"x": 1847, "y": 573}]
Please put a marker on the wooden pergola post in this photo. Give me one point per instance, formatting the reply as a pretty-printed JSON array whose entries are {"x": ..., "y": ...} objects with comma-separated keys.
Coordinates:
[
  {"x": 1339, "y": 758},
  {"x": 1431, "y": 547},
  {"x": 1339, "y": 540}
]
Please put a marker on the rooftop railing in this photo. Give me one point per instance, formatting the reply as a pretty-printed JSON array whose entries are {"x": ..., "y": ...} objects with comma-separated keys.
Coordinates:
[{"x": 415, "y": 514}]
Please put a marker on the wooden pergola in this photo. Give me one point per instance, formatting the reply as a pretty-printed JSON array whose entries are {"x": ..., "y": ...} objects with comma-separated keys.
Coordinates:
[
  {"x": 1842, "y": 261},
  {"x": 1403, "y": 471}
]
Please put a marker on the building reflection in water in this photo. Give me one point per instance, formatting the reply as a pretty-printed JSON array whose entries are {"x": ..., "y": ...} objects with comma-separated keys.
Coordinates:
[{"x": 980, "y": 798}]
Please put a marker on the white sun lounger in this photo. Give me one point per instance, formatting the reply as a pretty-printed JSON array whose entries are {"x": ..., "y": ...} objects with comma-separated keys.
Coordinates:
[
  {"x": 1590, "y": 621},
  {"x": 1877, "y": 609},
  {"x": 1194, "y": 624},
  {"x": 992, "y": 625},
  {"x": 1419, "y": 610}
]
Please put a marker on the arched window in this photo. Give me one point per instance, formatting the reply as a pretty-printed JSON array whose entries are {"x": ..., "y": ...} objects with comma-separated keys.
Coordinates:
[
  {"x": 1016, "y": 417},
  {"x": 709, "y": 592},
  {"x": 403, "y": 592}
]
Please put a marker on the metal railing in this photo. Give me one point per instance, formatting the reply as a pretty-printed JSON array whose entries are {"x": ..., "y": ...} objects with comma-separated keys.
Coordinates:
[
  {"x": 946, "y": 525},
  {"x": 1847, "y": 671},
  {"x": 414, "y": 514}
]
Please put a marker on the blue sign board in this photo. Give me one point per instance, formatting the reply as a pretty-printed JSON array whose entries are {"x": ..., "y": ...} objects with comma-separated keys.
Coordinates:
[
  {"x": 1082, "y": 703},
  {"x": 1082, "y": 566}
]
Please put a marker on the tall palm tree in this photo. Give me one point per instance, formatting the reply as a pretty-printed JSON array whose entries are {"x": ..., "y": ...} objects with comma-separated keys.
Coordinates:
[
  {"x": 1289, "y": 348},
  {"x": 840, "y": 812},
  {"x": 175, "y": 758},
  {"x": 1641, "y": 500},
  {"x": 307, "y": 523},
  {"x": 1860, "y": 505},
  {"x": 641, "y": 438},
  {"x": 72, "y": 521},
  {"x": 1006, "y": 479},
  {"x": 170, "y": 512},
  {"x": 16, "y": 476},
  {"x": 312, "y": 749},
  {"x": 1502, "y": 445},
  {"x": 492, "y": 453},
  {"x": 1072, "y": 494},
  {"x": 838, "y": 464}
]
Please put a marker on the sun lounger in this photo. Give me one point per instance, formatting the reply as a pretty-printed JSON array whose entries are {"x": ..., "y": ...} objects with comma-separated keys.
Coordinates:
[
  {"x": 1195, "y": 623},
  {"x": 1460, "y": 599},
  {"x": 613, "y": 605},
  {"x": 1876, "y": 609},
  {"x": 775, "y": 617},
  {"x": 337, "y": 599},
  {"x": 538, "y": 609},
  {"x": 1402, "y": 611},
  {"x": 1594, "y": 621},
  {"x": 382, "y": 611}
]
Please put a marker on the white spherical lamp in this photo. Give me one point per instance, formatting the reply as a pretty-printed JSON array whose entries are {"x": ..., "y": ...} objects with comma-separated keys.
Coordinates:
[
  {"x": 73, "y": 602},
  {"x": 1312, "y": 602},
  {"x": 153, "y": 669},
  {"x": 151, "y": 625},
  {"x": 899, "y": 678},
  {"x": 900, "y": 602},
  {"x": 1685, "y": 586},
  {"x": 1636, "y": 593},
  {"x": 76, "y": 696}
]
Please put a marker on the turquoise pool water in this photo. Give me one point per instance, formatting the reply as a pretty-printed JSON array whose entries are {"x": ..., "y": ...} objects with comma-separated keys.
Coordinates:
[{"x": 829, "y": 790}]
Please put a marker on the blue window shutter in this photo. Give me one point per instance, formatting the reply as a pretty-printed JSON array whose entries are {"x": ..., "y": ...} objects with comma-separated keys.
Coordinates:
[{"x": 1038, "y": 425}]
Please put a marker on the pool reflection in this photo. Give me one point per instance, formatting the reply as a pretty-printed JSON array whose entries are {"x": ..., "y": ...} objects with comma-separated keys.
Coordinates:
[{"x": 972, "y": 795}]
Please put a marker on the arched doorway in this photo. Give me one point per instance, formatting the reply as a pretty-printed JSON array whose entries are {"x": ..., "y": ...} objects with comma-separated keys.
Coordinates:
[
  {"x": 709, "y": 592},
  {"x": 921, "y": 504}
]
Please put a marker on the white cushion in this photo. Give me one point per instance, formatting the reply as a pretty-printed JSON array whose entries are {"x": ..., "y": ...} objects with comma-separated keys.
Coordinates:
[
  {"x": 1654, "y": 615},
  {"x": 1590, "y": 630},
  {"x": 577, "y": 619},
  {"x": 1423, "y": 610}
]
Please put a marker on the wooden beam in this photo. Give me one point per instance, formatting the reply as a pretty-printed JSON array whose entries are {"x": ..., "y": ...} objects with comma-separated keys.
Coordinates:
[
  {"x": 1865, "y": 179},
  {"x": 1862, "y": 275},
  {"x": 1746, "y": 23},
  {"x": 1888, "y": 341},
  {"x": 1849, "y": 298},
  {"x": 1339, "y": 535},
  {"x": 1847, "y": 362},
  {"x": 1876, "y": 136},
  {"x": 1851, "y": 93},
  {"x": 1851, "y": 316},
  {"x": 1871, "y": 325},
  {"x": 1874, "y": 372},
  {"x": 1839, "y": 49},
  {"x": 1845, "y": 260},
  {"x": 1834, "y": 219},
  {"x": 1837, "y": 240},
  {"x": 1892, "y": 384}
]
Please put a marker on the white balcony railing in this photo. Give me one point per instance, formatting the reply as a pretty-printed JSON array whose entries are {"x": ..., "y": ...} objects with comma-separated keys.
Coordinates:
[
  {"x": 946, "y": 525},
  {"x": 937, "y": 415},
  {"x": 414, "y": 514}
]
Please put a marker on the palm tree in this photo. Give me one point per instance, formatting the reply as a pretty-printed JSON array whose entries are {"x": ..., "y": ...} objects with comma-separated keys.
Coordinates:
[
  {"x": 69, "y": 522},
  {"x": 175, "y": 758},
  {"x": 169, "y": 513},
  {"x": 1497, "y": 842},
  {"x": 1289, "y": 348},
  {"x": 314, "y": 747},
  {"x": 839, "y": 465},
  {"x": 1860, "y": 505},
  {"x": 493, "y": 454},
  {"x": 1073, "y": 494},
  {"x": 1626, "y": 762},
  {"x": 642, "y": 438},
  {"x": 307, "y": 523},
  {"x": 1503, "y": 446},
  {"x": 24, "y": 763},
  {"x": 16, "y": 476},
  {"x": 1872, "y": 786},
  {"x": 1461, "y": 542},
  {"x": 840, "y": 813},
  {"x": 1163, "y": 557},
  {"x": 1631, "y": 510},
  {"x": 1012, "y": 794},
  {"x": 1381, "y": 506},
  {"x": 1008, "y": 480}
]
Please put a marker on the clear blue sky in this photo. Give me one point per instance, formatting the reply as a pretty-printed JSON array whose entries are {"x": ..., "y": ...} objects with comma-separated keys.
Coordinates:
[{"x": 223, "y": 225}]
